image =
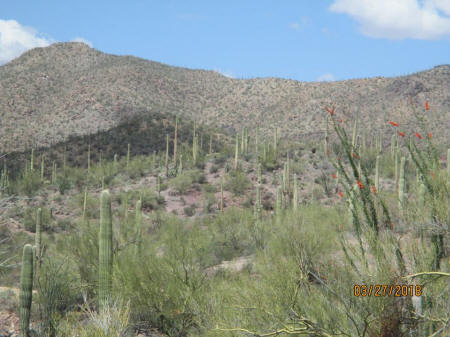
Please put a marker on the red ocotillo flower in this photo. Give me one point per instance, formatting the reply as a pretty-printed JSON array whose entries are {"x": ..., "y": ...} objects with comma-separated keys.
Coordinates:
[
  {"x": 418, "y": 135},
  {"x": 430, "y": 135},
  {"x": 355, "y": 155},
  {"x": 334, "y": 176},
  {"x": 374, "y": 190},
  {"x": 341, "y": 194},
  {"x": 393, "y": 123},
  {"x": 330, "y": 111},
  {"x": 432, "y": 174},
  {"x": 401, "y": 134},
  {"x": 360, "y": 184},
  {"x": 427, "y": 107}
]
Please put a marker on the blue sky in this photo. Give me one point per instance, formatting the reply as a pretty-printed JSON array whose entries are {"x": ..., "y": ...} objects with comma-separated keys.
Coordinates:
[{"x": 302, "y": 40}]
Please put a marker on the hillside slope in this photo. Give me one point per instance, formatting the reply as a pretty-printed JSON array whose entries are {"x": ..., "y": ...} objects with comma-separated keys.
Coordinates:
[{"x": 69, "y": 89}]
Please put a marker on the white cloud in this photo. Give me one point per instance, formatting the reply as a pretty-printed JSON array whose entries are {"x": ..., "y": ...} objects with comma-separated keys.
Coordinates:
[
  {"x": 327, "y": 77},
  {"x": 398, "y": 19},
  {"x": 16, "y": 39},
  {"x": 304, "y": 21},
  {"x": 81, "y": 39}
]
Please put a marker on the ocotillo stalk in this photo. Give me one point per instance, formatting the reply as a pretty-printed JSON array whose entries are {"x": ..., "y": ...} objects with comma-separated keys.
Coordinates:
[
  {"x": 42, "y": 167},
  {"x": 201, "y": 142},
  {"x": 295, "y": 193},
  {"x": 175, "y": 143},
  {"x": 194, "y": 149},
  {"x": 242, "y": 140},
  {"x": 26, "y": 290},
  {"x": 138, "y": 226},
  {"x": 128, "y": 155},
  {"x": 396, "y": 167},
  {"x": 363, "y": 141},
  {"x": 264, "y": 151},
  {"x": 401, "y": 185},
  {"x": 84, "y": 203},
  {"x": 89, "y": 158},
  {"x": 105, "y": 250},
  {"x": 37, "y": 241},
  {"x": 221, "y": 194},
  {"x": 32, "y": 160},
  {"x": 355, "y": 127},
  {"x": 236, "y": 153},
  {"x": 393, "y": 146},
  {"x": 377, "y": 173},
  {"x": 166, "y": 163}
]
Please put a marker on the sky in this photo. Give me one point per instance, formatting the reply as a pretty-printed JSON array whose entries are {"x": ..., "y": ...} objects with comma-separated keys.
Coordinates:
[{"x": 304, "y": 40}]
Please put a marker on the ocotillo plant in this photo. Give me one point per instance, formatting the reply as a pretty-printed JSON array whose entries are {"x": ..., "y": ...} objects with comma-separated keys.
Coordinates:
[
  {"x": 393, "y": 146},
  {"x": 84, "y": 203},
  {"x": 396, "y": 167},
  {"x": 138, "y": 226},
  {"x": 355, "y": 129},
  {"x": 26, "y": 290},
  {"x": 37, "y": 241},
  {"x": 105, "y": 250},
  {"x": 325, "y": 141},
  {"x": 401, "y": 186},
  {"x": 377, "y": 173},
  {"x": 295, "y": 194}
]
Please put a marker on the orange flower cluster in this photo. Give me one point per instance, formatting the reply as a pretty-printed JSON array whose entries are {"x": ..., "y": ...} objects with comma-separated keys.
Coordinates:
[
  {"x": 360, "y": 184},
  {"x": 393, "y": 123},
  {"x": 427, "y": 107},
  {"x": 374, "y": 190},
  {"x": 418, "y": 135},
  {"x": 341, "y": 194},
  {"x": 401, "y": 134},
  {"x": 330, "y": 111},
  {"x": 334, "y": 176}
]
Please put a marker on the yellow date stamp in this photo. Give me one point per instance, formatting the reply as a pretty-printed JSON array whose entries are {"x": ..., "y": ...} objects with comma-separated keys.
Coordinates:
[{"x": 382, "y": 290}]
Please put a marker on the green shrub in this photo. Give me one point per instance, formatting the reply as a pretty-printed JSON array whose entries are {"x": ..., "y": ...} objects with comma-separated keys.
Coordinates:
[
  {"x": 64, "y": 183},
  {"x": 237, "y": 182}
]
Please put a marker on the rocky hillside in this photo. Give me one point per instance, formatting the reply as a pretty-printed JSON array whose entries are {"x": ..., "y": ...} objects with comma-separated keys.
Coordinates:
[{"x": 69, "y": 89}]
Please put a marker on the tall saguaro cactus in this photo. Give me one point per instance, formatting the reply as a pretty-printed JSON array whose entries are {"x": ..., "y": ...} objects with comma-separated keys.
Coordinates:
[
  {"x": 236, "y": 153},
  {"x": 32, "y": 160},
  {"x": 105, "y": 250},
  {"x": 295, "y": 193},
  {"x": 26, "y": 290},
  {"x": 37, "y": 241},
  {"x": 175, "y": 143},
  {"x": 42, "y": 167}
]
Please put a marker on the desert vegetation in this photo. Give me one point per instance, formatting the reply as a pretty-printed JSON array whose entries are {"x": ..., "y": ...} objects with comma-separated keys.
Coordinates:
[{"x": 247, "y": 236}]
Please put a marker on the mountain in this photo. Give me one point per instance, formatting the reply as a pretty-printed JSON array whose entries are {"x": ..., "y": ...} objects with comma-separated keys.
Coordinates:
[{"x": 69, "y": 89}]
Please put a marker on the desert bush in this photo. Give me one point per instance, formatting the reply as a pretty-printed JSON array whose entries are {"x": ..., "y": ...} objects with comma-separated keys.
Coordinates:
[{"x": 237, "y": 182}]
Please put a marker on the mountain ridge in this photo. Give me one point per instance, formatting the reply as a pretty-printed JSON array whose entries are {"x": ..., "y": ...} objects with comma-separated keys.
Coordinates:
[{"x": 66, "y": 89}]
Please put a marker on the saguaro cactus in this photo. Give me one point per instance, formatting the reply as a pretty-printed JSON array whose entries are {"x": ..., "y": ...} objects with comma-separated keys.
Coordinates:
[
  {"x": 221, "y": 194},
  {"x": 236, "y": 153},
  {"x": 32, "y": 160},
  {"x": 105, "y": 250},
  {"x": 295, "y": 193},
  {"x": 37, "y": 241},
  {"x": 166, "y": 163},
  {"x": 175, "y": 142},
  {"x": 42, "y": 167},
  {"x": 26, "y": 290}
]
